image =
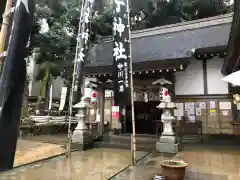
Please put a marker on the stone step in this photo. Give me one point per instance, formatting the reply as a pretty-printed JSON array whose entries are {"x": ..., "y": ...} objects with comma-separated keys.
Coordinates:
[
  {"x": 118, "y": 139},
  {"x": 146, "y": 148},
  {"x": 127, "y": 139}
]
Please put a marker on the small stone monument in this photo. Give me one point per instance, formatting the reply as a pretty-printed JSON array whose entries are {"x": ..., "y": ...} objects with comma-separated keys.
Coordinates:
[{"x": 168, "y": 142}]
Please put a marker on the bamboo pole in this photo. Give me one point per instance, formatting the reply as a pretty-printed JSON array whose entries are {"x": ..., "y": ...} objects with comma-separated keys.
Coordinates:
[
  {"x": 73, "y": 81},
  {"x": 4, "y": 28},
  {"x": 133, "y": 136}
]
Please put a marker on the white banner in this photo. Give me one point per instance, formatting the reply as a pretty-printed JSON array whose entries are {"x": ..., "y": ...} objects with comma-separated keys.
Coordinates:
[
  {"x": 63, "y": 98},
  {"x": 233, "y": 78},
  {"x": 50, "y": 97},
  {"x": 31, "y": 71}
]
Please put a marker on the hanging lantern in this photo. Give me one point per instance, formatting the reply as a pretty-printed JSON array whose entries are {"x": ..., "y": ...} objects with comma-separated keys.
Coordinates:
[
  {"x": 94, "y": 96},
  {"x": 164, "y": 95}
]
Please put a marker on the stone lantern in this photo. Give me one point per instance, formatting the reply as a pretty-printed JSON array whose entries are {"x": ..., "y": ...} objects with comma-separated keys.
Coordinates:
[
  {"x": 82, "y": 135},
  {"x": 168, "y": 142}
]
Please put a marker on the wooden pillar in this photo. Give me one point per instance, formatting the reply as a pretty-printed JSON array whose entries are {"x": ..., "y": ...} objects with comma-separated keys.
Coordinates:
[
  {"x": 205, "y": 80},
  {"x": 124, "y": 120},
  {"x": 101, "y": 108}
]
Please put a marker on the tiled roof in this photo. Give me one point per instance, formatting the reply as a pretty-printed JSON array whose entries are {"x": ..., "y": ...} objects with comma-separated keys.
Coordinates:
[{"x": 169, "y": 42}]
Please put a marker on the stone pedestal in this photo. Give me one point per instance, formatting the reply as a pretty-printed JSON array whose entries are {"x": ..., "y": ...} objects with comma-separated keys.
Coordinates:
[
  {"x": 167, "y": 144},
  {"x": 81, "y": 138}
]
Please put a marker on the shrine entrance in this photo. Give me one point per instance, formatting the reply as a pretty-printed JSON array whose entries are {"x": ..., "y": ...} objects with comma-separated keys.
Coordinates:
[
  {"x": 146, "y": 115},
  {"x": 146, "y": 98}
]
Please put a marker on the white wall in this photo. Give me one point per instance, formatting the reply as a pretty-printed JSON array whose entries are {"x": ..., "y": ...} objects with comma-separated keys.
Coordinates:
[
  {"x": 190, "y": 81},
  {"x": 214, "y": 76}
]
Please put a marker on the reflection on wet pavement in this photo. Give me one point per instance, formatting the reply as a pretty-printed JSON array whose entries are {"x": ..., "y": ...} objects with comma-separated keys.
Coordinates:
[
  {"x": 204, "y": 163},
  {"x": 95, "y": 164}
]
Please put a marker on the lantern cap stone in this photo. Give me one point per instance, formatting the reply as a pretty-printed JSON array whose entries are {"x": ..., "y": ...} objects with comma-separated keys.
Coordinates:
[
  {"x": 91, "y": 85},
  {"x": 162, "y": 81},
  {"x": 84, "y": 103},
  {"x": 109, "y": 81}
]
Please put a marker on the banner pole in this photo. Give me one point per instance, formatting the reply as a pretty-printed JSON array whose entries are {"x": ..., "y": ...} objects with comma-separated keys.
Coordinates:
[
  {"x": 72, "y": 87},
  {"x": 83, "y": 39},
  {"x": 133, "y": 137}
]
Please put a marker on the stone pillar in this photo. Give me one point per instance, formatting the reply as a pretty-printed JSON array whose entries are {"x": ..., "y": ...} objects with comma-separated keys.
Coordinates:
[
  {"x": 102, "y": 108},
  {"x": 81, "y": 137}
]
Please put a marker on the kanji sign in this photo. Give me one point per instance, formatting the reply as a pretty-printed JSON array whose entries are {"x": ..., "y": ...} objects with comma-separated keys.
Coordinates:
[{"x": 121, "y": 53}]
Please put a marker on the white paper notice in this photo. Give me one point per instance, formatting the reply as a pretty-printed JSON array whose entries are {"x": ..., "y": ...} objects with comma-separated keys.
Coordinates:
[
  {"x": 191, "y": 106},
  {"x": 202, "y": 105},
  {"x": 179, "y": 110},
  {"x": 224, "y": 105},
  {"x": 198, "y": 111},
  {"x": 225, "y": 113},
  {"x": 212, "y": 104}
]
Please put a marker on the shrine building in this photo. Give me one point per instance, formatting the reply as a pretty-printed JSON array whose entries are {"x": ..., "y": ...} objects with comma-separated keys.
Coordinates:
[{"x": 191, "y": 56}]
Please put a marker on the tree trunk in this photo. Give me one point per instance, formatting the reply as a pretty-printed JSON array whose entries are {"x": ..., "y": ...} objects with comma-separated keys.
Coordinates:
[{"x": 43, "y": 93}]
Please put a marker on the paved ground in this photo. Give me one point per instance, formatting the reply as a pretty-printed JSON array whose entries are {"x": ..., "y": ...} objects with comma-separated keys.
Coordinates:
[
  {"x": 204, "y": 163},
  {"x": 61, "y": 139},
  {"x": 95, "y": 164},
  {"x": 30, "y": 151}
]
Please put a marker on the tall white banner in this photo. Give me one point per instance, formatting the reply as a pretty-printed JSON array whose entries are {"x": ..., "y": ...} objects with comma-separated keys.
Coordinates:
[
  {"x": 63, "y": 98},
  {"x": 31, "y": 71},
  {"x": 50, "y": 97}
]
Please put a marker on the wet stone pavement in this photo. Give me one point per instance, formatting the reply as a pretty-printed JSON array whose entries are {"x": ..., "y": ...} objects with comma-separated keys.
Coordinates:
[
  {"x": 95, "y": 164},
  {"x": 29, "y": 151},
  {"x": 204, "y": 163}
]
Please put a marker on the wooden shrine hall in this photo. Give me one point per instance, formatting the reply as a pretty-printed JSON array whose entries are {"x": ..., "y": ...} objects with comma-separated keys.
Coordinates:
[{"x": 191, "y": 56}]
